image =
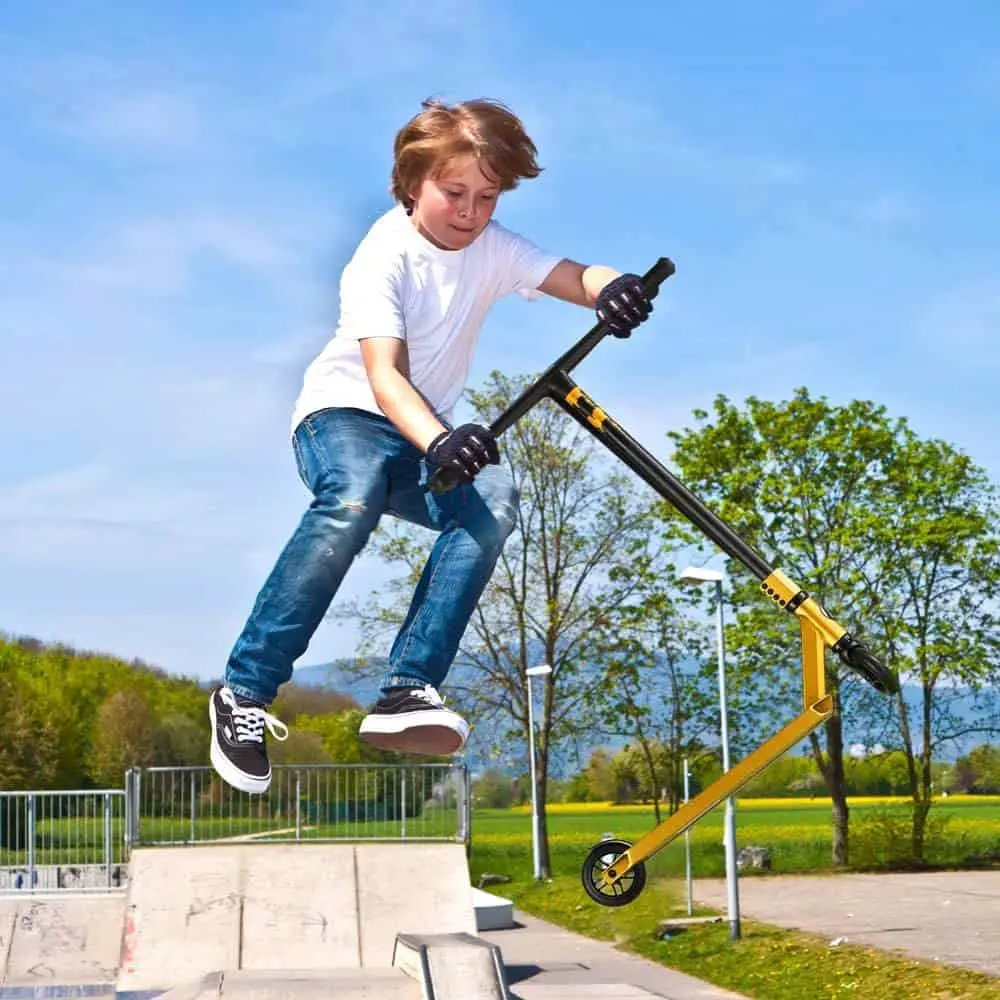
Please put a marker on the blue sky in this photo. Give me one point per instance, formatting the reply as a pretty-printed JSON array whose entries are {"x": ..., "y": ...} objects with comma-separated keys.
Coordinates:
[{"x": 182, "y": 184}]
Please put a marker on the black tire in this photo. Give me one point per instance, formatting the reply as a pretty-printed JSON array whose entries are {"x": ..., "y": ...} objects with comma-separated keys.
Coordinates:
[{"x": 619, "y": 893}]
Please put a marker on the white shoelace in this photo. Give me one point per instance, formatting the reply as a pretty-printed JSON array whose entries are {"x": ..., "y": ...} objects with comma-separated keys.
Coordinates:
[
  {"x": 430, "y": 695},
  {"x": 249, "y": 721}
]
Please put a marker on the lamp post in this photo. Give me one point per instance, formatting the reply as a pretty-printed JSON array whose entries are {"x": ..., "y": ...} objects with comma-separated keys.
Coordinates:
[
  {"x": 540, "y": 671},
  {"x": 697, "y": 575}
]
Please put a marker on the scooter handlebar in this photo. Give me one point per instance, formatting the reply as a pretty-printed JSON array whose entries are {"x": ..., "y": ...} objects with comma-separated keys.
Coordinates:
[{"x": 444, "y": 480}]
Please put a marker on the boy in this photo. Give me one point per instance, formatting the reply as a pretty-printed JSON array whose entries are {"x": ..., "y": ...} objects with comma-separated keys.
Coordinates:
[{"x": 373, "y": 421}]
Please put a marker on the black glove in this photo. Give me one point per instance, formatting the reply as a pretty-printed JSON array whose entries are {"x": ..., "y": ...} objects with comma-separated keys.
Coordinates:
[
  {"x": 466, "y": 450},
  {"x": 623, "y": 304}
]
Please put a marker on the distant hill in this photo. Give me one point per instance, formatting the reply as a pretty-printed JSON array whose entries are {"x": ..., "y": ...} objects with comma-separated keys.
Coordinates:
[{"x": 364, "y": 688}]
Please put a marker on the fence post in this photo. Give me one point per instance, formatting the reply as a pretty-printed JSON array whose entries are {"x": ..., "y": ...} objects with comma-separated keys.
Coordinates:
[
  {"x": 31, "y": 840},
  {"x": 298, "y": 805},
  {"x": 402, "y": 799},
  {"x": 107, "y": 839},
  {"x": 137, "y": 805},
  {"x": 462, "y": 794},
  {"x": 194, "y": 809},
  {"x": 127, "y": 813}
]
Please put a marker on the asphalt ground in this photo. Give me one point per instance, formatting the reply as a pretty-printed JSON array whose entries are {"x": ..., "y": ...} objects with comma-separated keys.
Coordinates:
[{"x": 949, "y": 917}]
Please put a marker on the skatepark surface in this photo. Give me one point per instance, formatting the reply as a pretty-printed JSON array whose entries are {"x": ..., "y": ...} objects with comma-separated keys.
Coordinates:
[
  {"x": 264, "y": 921},
  {"x": 950, "y": 917}
]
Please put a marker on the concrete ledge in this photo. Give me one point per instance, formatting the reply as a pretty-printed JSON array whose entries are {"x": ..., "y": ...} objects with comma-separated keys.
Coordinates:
[{"x": 493, "y": 913}]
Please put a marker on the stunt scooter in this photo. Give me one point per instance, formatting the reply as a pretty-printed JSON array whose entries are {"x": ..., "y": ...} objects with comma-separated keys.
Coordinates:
[{"x": 614, "y": 871}]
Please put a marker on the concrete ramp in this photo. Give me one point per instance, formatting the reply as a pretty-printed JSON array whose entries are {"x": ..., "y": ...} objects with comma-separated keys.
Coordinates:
[
  {"x": 344, "y": 984},
  {"x": 425, "y": 967},
  {"x": 52, "y": 941},
  {"x": 193, "y": 911}
]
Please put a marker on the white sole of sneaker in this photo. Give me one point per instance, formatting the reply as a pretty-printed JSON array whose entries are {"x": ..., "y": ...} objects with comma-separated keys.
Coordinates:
[
  {"x": 413, "y": 732},
  {"x": 228, "y": 771}
]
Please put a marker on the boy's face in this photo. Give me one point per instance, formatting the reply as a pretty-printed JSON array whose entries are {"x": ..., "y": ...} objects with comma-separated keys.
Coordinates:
[{"x": 452, "y": 209}]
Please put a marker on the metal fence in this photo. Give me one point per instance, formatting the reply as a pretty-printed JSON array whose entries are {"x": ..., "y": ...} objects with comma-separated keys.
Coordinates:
[
  {"x": 81, "y": 840},
  {"x": 65, "y": 840},
  {"x": 321, "y": 802}
]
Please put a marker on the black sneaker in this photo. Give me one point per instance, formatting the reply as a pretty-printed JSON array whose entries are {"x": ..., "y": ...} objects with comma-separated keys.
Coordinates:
[
  {"x": 239, "y": 752},
  {"x": 414, "y": 720}
]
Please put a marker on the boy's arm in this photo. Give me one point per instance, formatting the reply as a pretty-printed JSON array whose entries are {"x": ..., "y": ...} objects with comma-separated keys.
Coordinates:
[
  {"x": 465, "y": 450},
  {"x": 387, "y": 363},
  {"x": 620, "y": 300},
  {"x": 577, "y": 283}
]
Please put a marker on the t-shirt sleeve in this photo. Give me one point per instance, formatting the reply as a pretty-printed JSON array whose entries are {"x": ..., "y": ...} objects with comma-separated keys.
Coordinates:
[
  {"x": 525, "y": 265},
  {"x": 371, "y": 296}
]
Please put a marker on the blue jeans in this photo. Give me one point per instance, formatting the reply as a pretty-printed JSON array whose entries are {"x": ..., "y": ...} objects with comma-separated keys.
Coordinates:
[{"x": 358, "y": 467}]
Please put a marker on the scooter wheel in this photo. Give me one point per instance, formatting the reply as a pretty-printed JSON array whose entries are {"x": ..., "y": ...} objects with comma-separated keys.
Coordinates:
[{"x": 621, "y": 892}]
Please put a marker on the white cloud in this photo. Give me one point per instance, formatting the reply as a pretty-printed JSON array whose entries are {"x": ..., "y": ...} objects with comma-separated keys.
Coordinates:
[
  {"x": 104, "y": 101},
  {"x": 159, "y": 255}
]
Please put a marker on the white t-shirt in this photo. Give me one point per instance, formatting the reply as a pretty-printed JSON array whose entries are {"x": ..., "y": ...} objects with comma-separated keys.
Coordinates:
[{"x": 398, "y": 284}]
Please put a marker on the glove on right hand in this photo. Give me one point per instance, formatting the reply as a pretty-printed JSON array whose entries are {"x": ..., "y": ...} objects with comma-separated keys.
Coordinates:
[
  {"x": 623, "y": 304},
  {"x": 465, "y": 450}
]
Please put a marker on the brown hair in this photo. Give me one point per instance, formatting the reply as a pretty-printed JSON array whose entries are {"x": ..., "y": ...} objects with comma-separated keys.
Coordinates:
[{"x": 483, "y": 128}]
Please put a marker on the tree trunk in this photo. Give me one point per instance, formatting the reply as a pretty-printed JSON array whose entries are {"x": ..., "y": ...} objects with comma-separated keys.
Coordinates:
[
  {"x": 831, "y": 765},
  {"x": 922, "y": 790},
  {"x": 840, "y": 819},
  {"x": 921, "y": 810},
  {"x": 654, "y": 778},
  {"x": 544, "y": 864}
]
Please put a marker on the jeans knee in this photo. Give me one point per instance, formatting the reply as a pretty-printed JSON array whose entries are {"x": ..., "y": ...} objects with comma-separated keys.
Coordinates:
[
  {"x": 500, "y": 499},
  {"x": 346, "y": 516},
  {"x": 504, "y": 509}
]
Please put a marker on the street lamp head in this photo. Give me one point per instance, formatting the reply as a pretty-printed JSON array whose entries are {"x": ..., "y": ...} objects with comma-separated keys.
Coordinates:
[
  {"x": 539, "y": 671},
  {"x": 700, "y": 574}
]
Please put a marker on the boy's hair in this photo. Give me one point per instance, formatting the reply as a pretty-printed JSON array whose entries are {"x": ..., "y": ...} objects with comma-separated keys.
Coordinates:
[{"x": 482, "y": 128}]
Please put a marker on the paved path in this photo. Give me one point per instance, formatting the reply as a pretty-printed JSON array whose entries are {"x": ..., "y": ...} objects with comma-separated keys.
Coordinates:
[
  {"x": 950, "y": 917},
  {"x": 545, "y": 961}
]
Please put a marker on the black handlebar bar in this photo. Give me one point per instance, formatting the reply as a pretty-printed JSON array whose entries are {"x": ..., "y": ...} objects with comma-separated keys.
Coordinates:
[{"x": 445, "y": 479}]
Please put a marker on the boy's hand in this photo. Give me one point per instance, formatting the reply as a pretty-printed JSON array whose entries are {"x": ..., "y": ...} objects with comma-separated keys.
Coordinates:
[
  {"x": 623, "y": 304},
  {"x": 466, "y": 450}
]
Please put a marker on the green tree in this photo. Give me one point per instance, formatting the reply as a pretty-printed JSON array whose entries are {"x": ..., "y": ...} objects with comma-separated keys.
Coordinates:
[
  {"x": 180, "y": 741},
  {"x": 492, "y": 790},
  {"x": 788, "y": 776},
  {"x": 338, "y": 734},
  {"x": 984, "y": 763},
  {"x": 600, "y": 778},
  {"x": 896, "y": 536},
  {"x": 124, "y": 738},
  {"x": 659, "y": 689},
  {"x": 64, "y": 689},
  {"x": 932, "y": 547},
  {"x": 577, "y": 789},
  {"x": 28, "y": 740}
]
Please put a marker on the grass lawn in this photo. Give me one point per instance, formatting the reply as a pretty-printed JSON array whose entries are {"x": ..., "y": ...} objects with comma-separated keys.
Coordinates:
[
  {"x": 768, "y": 963},
  {"x": 798, "y": 832}
]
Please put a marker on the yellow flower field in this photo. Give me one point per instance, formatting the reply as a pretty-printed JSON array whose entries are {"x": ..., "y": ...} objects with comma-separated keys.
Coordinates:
[
  {"x": 763, "y": 803},
  {"x": 963, "y": 830}
]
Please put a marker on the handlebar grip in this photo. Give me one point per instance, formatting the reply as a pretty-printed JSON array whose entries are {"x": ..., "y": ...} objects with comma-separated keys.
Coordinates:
[{"x": 657, "y": 274}]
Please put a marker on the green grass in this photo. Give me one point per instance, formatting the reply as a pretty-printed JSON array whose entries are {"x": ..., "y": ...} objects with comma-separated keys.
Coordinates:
[
  {"x": 768, "y": 963},
  {"x": 967, "y": 830}
]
